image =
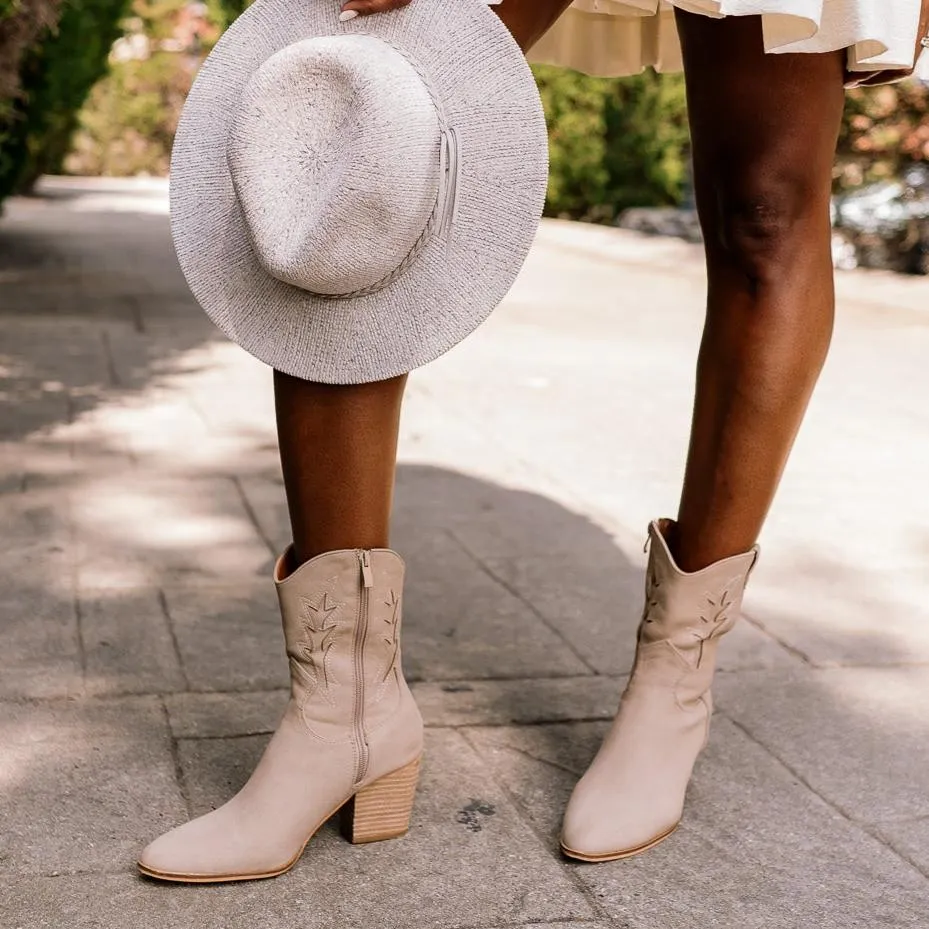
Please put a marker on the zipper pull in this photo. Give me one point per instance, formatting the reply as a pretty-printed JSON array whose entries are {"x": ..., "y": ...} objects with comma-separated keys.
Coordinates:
[{"x": 367, "y": 575}]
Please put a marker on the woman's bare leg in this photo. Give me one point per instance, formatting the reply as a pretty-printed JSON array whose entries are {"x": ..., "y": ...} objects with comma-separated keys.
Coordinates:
[
  {"x": 529, "y": 20},
  {"x": 339, "y": 443},
  {"x": 764, "y": 137},
  {"x": 338, "y": 453}
]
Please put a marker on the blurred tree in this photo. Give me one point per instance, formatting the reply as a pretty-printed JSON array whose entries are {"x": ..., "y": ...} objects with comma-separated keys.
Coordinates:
[
  {"x": 127, "y": 125},
  {"x": 56, "y": 75},
  {"x": 21, "y": 24},
  {"x": 885, "y": 130},
  {"x": 615, "y": 143}
]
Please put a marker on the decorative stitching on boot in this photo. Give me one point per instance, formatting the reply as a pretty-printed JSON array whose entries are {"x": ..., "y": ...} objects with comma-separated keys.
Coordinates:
[
  {"x": 393, "y": 639},
  {"x": 719, "y": 620},
  {"x": 318, "y": 629}
]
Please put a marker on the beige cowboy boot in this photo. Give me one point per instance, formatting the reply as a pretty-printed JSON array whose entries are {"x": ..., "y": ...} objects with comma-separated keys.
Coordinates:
[
  {"x": 350, "y": 740},
  {"x": 632, "y": 796}
]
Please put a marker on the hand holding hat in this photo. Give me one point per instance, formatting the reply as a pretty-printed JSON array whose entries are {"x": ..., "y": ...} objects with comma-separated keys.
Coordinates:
[{"x": 354, "y": 8}]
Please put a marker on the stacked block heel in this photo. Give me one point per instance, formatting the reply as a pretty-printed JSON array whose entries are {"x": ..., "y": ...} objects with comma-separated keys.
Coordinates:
[{"x": 383, "y": 809}]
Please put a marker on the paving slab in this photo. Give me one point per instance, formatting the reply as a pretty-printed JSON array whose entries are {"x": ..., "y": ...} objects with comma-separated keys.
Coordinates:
[
  {"x": 40, "y": 650},
  {"x": 37, "y": 539},
  {"x": 85, "y": 783},
  {"x": 858, "y": 736},
  {"x": 138, "y": 531},
  {"x": 141, "y": 456},
  {"x": 757, "y": 849},
  {"x": 529, "y": 701},
  {"x": 469, "y": 859},
  {"x": 443, "y": 704},
  {"x": 128, "y": 643},
  {"x": 221, "y": 715},
  {"x": 351, "y": 900},
  {"x": 229, "y": 635},
  {"x": 40, "y": 653},
  {"x": 910, "y": 839},
  {"x": 842, "y": 615},
  {"x": 460, "y": 622},
  {"x": 265, "y": 495}
]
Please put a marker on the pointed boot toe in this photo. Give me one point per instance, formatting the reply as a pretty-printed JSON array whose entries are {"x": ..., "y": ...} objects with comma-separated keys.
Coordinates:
[
  {"x": 211, "y": 849},
  {"x": 603, "y": 823},
  {"x": 178, "y": 855}
]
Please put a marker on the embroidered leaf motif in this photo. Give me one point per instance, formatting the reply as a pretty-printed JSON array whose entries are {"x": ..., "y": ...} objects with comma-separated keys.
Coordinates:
[
  {"x": 714, "y": 618},
  {"x": 392, "y": 639},
  {"x": 319, "y": 626}
]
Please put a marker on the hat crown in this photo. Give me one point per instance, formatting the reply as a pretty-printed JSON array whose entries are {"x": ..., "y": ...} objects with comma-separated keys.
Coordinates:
[{"x": 334, "y": 154}]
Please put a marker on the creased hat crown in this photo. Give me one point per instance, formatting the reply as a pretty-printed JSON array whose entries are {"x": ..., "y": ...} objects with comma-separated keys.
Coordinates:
[{"x": 334, "y": 154}]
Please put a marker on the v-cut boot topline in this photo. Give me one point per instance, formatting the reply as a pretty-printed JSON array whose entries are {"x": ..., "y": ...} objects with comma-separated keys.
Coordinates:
[
  {"x": 350, "y": 740},
  {"x": 632, "y": 796}
]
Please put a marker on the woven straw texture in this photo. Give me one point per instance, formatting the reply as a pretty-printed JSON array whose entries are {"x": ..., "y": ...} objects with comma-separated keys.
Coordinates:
[{"x": 480, "y": 85}]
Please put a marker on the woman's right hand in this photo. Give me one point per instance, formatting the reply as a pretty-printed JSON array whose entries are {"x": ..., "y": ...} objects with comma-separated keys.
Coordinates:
[{"x": 367, "y": 7}]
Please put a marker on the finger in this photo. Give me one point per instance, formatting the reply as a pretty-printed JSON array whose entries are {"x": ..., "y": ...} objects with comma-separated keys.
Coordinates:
[{"x": 368, "y": 7}]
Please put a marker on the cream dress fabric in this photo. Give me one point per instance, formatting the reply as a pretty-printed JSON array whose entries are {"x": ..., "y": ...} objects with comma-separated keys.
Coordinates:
[{"x": 618, "y": 37}]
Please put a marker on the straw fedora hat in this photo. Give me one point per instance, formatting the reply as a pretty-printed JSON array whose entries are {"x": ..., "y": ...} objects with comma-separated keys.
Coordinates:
[{"x": 350, "y": 200}]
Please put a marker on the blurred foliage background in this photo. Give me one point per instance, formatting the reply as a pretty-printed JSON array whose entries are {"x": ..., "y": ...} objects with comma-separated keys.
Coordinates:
[{"x": 96, "y": 87}]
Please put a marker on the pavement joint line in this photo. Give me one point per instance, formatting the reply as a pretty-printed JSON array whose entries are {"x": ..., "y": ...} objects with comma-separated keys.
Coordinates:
[
  {"x": 866, "y": 828},
  {"x": 618, "y": 678},
  {"x": 551, "y": 921},
  {"x": 506, "y": 679},
  {"x": 513, "y": 591},
  {"x": 231, "y": 737},
  {"x": 9, "y": 876},
  {"x": 111, "y": 371},
  {"x": 252, "y": 515},
  {"x": 545, "y": 842},
  {"x": 522, "y": 751},
  {"x": 175, "y": 645},
  {"x": 790, "y": 649},
  {"x": 79, "y": 636},
  {"x": 179, "y": 777},
  {"x": 529, "y": 724},
  {"x": 440, "y": 726},
  {"x": 136, "y": 317}
]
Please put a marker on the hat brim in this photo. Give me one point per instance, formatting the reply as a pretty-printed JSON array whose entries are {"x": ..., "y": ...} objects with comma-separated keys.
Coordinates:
[{"x": 489, "y": 96}]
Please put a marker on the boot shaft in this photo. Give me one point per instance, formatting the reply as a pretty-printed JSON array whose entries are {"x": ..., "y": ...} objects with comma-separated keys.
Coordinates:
[
  {"x": 686, "y": 608},
  {"x": 341, "y": 614}
]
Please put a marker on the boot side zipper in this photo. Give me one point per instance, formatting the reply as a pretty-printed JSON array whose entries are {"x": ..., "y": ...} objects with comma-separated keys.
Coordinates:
[{"x": 361, "y": 632}]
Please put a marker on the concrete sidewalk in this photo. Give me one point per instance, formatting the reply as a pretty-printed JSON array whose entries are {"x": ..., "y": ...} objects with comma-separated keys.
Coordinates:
[{"x": 141, "y": 663}]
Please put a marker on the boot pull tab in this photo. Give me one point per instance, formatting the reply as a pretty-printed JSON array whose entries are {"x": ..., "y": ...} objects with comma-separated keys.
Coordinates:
[{"x": 367, "y": 575}]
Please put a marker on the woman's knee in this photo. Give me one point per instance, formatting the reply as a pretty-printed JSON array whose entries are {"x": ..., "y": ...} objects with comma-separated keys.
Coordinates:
[{"x": 768, "y": 226}]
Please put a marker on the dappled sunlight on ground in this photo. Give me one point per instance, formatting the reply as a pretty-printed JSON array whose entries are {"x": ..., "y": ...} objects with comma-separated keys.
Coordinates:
[{"x": 141, "y": 660}]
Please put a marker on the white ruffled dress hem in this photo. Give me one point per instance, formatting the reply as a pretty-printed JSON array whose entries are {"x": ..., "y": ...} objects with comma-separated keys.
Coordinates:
[{"x": 611, "y": 38}]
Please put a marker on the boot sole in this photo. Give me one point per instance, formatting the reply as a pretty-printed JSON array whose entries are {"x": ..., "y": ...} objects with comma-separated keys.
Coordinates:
[
  {"x": 617, "y": 856},
  {"x": 376, "y": 813}
]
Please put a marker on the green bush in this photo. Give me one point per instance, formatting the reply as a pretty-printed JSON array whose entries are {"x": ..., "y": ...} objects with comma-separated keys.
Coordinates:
[
  {"x": 22, "y": 22},
  {"x": 127, "y": 125},
  {"x": 615, "y": 143},
  {"x": 55, "y": 76},
  {"x": 885, "y": 130}
]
